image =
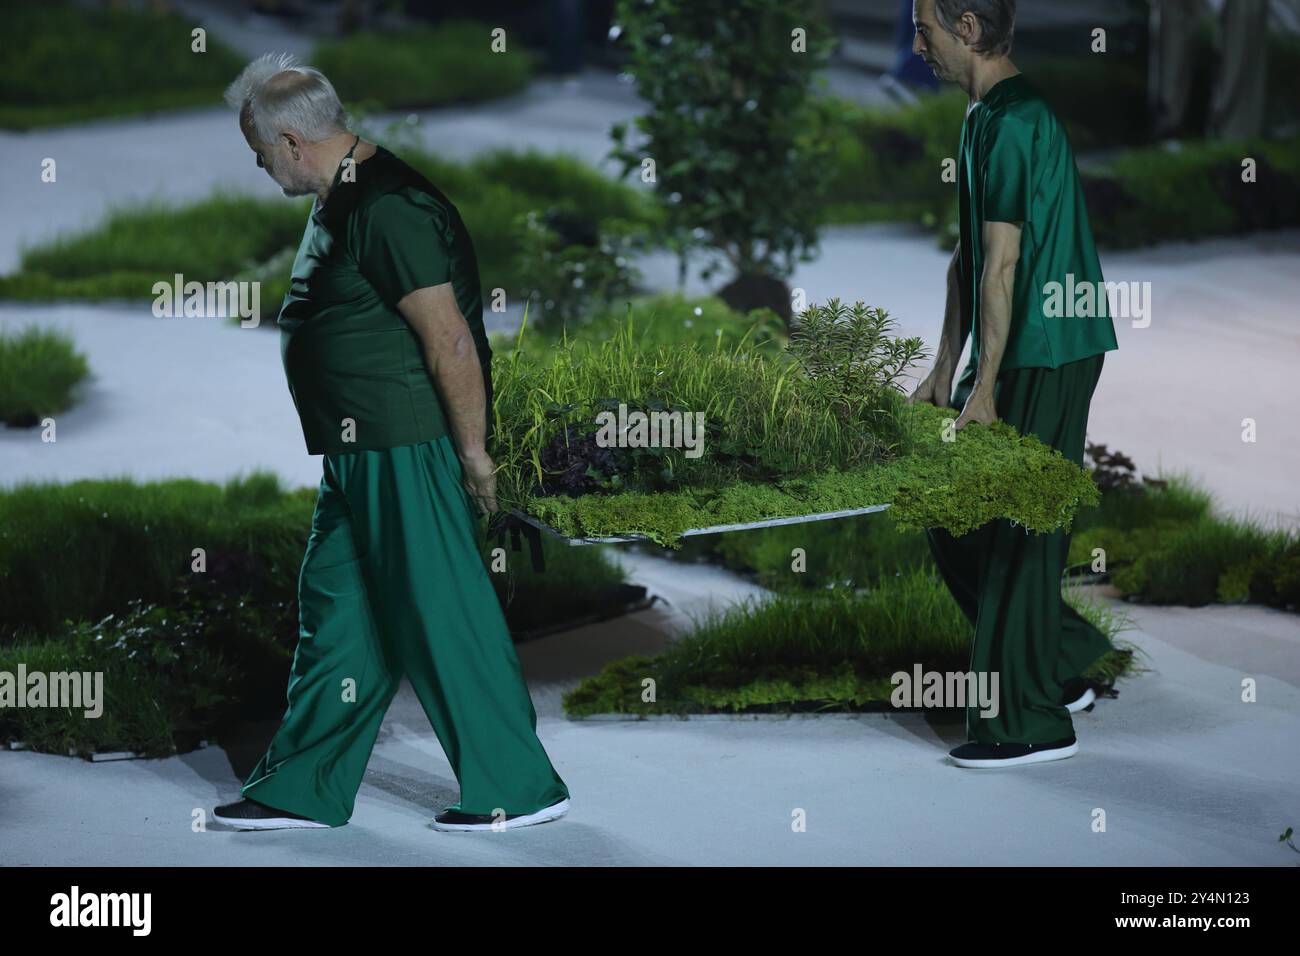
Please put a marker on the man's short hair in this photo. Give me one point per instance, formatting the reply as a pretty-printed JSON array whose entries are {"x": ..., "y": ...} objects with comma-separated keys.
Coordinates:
[
  {"x": 997, "y": 19},
  {"x": 277, "y": 95}
]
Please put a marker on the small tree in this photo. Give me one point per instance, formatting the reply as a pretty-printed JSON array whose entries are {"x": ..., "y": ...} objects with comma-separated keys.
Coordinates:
[{"x": 730, "y": 137}]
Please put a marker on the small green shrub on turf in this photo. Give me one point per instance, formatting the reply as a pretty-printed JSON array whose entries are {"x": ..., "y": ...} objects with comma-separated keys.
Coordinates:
[
  {"x": 40, "y": 370},
  {"x": 1186, "y": 564},
  {"x": 172, "y": 674},
  {"x": 567, "y": 281},
  {"x": 79, "y": 551},
  {"x": 770, "y": 417}
]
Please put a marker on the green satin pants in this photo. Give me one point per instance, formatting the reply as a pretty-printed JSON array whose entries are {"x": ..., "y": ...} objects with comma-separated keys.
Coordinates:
[
  {"x": 392, "y": 584},
  {"x": 1008, "y": 581}
]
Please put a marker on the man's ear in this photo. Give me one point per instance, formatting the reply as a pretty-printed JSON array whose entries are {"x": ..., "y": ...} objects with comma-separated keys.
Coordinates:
[
  {"x": 969, "y": 26},
  {"x": 294, "y": 144}
]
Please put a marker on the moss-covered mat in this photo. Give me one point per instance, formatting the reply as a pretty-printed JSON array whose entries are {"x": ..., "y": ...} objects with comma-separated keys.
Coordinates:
[{"x": 983, "y": 473}]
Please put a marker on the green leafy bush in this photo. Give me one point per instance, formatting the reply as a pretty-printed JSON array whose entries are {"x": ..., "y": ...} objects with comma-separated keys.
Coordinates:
[
  {"x": 888, "y": 164},
  {"x": 40, "y": 370},
  {"x": 1155, "y": 195},
  {"x": 568, "y": 281},
  {"x": 738, "y": 167},
  {"x": 171, "y": 676}
]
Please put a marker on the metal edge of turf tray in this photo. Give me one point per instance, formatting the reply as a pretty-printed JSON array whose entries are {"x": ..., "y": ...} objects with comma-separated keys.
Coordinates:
[
  {"x": 100, "y": 756},
  {"x": 689, "y": 532}
]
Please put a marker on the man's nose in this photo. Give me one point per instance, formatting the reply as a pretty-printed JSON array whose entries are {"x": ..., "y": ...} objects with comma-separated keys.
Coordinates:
[{"x": 916, "y": 43}]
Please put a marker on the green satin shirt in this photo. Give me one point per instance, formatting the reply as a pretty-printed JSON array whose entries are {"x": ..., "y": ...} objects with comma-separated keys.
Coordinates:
[
  {"x": 354, "y": 366},
  {"x": 1016, "y": 165}
]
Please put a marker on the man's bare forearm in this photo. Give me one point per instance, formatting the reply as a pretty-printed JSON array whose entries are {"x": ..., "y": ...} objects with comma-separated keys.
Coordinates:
[
  {"x": 458, "y": 377},
  {"x": 997, "y": 289},
  {"x": 453, "y": 364},
  {"x": 953, "y": 337},
  {"x": 996, "y": 285}
]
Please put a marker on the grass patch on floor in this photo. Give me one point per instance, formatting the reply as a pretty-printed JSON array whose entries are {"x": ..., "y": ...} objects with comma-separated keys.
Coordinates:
[
  {"x": 425, "y": 67},
  {"x": 794, "y": 653},
  {"x": 97, "y": 576},
  {"x": 62, "y": 63},
  {"x": 85, "y": 549},
  {"x": 227, "y": 237},
  {"x": 40, "y": 371},
  {"x": 1166, "y": 544},
  {"x": 135, "y": 247}
]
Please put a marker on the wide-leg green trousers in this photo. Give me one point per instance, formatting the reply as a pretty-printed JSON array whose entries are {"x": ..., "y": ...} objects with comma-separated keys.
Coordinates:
[
  {"x": 1008, "y": 581},
  {"x": 392, "y": 584}
]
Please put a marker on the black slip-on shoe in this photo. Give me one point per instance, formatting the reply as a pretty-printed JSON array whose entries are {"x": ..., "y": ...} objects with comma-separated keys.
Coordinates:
[
  {"x": 250, "y": 815},
  {"x": 1082, "y": 693},
  {"x": 1078, "y": 695},
  {"x": 455, "y": 820},
  {"x": 980, "y": 756}
]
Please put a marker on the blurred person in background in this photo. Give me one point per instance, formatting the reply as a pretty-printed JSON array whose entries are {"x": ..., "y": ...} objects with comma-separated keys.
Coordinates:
[{"x": 1240, "y": 97}]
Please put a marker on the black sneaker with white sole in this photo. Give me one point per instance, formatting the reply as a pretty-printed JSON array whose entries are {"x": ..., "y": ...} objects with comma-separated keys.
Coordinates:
[
  {"x": 454, "y": 820},
  {"x": 979, "y": 756},
  {"x": 1082, "y": 694},
  {"x": 250, "y": 815},
  {"x": 1078, "y": 695}
]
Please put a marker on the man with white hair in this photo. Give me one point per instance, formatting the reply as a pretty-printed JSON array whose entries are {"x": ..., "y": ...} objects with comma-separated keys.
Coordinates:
[{"x": 383, "y": 347}]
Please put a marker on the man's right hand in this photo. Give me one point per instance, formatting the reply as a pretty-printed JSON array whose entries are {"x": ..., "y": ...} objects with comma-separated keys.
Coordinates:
[
  {"x": 480, "y": 481},
  {"x": 935, "y": 388}
]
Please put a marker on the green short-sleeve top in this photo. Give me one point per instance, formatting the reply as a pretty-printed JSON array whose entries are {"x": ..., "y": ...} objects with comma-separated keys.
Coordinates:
[
  {"x": 1016, "y": 165},
  {"x": 354, "y": 366}
]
